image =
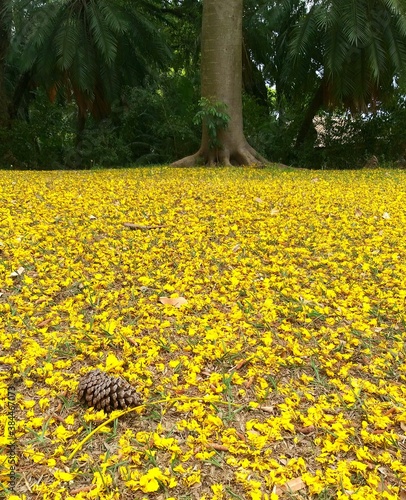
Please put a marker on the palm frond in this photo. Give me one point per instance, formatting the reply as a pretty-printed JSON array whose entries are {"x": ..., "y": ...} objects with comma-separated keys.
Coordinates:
[
  {"x": 354, "y": 19},
  {"x": 396, "y": 47},
  {"x": 84, "y": 66},
  {"x": 66, "y": 42},
  {"x": 104, "y": 39},
  {"x": 303, "y": 36},
  {"x": 360, "y": 44},
  {"x": 115, "y": 17}
]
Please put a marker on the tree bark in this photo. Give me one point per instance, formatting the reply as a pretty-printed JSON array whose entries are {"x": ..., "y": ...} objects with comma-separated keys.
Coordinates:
[
  {"x": 20, "y": 90},
  {"x": 221, "y": 81},
  {"x": 314, "y": 107}
]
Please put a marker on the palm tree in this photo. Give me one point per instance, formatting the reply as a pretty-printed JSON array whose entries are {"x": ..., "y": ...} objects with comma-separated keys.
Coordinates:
[
  {"x": 350, "y": 51},
  {"x": 88, "y": 49}
]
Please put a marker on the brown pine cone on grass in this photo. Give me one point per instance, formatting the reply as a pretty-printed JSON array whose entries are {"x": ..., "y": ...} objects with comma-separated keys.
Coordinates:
[{"x": 105, "y": 392}]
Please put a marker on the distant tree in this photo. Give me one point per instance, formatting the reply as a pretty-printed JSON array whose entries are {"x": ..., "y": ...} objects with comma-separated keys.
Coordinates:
[
  {"x": 351, "y": 50},
  {"x": 87, "y": 49}
]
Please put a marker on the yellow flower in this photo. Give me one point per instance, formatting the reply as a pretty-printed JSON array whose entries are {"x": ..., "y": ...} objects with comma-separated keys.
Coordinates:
[
  {"x": 62, "y": 434},
  {"x": 218, "y": 491},
  {"x": 150, "y": 481},
  {"x": 63, "y": 476},
  {"x": 35, "y": 455}
]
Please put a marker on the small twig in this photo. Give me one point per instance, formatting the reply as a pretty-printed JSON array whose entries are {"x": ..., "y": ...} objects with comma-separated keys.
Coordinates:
[
  {"x": 130, "y": 225},
  {"x": 139, "y": 407}
]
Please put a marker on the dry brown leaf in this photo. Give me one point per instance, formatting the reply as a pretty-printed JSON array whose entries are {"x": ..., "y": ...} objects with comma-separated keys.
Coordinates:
[
  {"x": 267, "y": 409},
  {"x": 358, "y": 212},
  {"x": 259, "y": 200},
  {"x": 274, "y": 211},
  {"x": 175, "y": 301},
  {"x": 241, "y": 436},
  {"x": 17, "y": 273},
  {"x": 59, "y": 418},
  {"x": 249, "y": 382},
  {"x": 44, "y": 323},
  {"x": 240, "y": 364},
  {"x": 386, "y": 215},
  {"x": 236, "y": 248},
  {"x": 83, "y": 489},
  {"x": 130, "y": 225},
  {"x": 291, "y": 486},
  {"x": 306, "y": 430},
  {"x": 218, "y": 447},
  {"x": 403, "y": 426}
]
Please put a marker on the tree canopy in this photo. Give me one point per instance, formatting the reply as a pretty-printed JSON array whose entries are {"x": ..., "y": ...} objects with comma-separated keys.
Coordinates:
[{"x": 118, "y": 82}]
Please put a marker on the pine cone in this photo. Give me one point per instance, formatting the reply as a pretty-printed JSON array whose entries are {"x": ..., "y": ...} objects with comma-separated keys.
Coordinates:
[{"x": 105, "y": 392}]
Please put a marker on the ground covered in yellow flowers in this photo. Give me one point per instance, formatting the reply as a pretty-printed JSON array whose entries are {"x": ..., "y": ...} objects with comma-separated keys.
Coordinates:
[{"x": 282, "y": 375}]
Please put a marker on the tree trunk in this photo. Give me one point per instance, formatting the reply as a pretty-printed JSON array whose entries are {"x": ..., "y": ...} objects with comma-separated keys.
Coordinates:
[
  {"x": 20, "y": 91},
  {"x": 221, "y": 81},
  {"x": 314, "y": 107},
  {"x": 81, "y": 123},
  {"x": 4, "y": 44}
]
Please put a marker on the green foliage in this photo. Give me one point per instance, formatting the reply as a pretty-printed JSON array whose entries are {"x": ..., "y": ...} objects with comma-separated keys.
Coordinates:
[
  {"x": 157, "y": 120},
  {"x": 150, "y": 124},
  {"x": 357, "y": 45},
  {"x": 43, "y": 140},
  {"x": 101, "y": 145},
  {"x": 345, "y": 140},
  {"x": 267, "y": 131},
  {"x": 111, "y": 58},
  {"x": 213, "y": 116},
  {"x": 89, "y": 49}
]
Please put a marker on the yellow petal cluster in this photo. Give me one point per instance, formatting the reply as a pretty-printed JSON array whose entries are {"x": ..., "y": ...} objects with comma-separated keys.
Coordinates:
[{"x": 282, "y": 366}]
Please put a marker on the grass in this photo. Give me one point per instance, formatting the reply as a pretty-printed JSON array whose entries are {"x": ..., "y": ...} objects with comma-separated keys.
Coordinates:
[{"x": 283, "y": 374}]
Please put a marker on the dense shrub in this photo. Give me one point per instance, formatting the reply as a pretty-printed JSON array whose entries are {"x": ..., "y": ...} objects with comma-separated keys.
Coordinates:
[
  {"x": 40, "y": 141},
  {"x": 155, "y": 124}
]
